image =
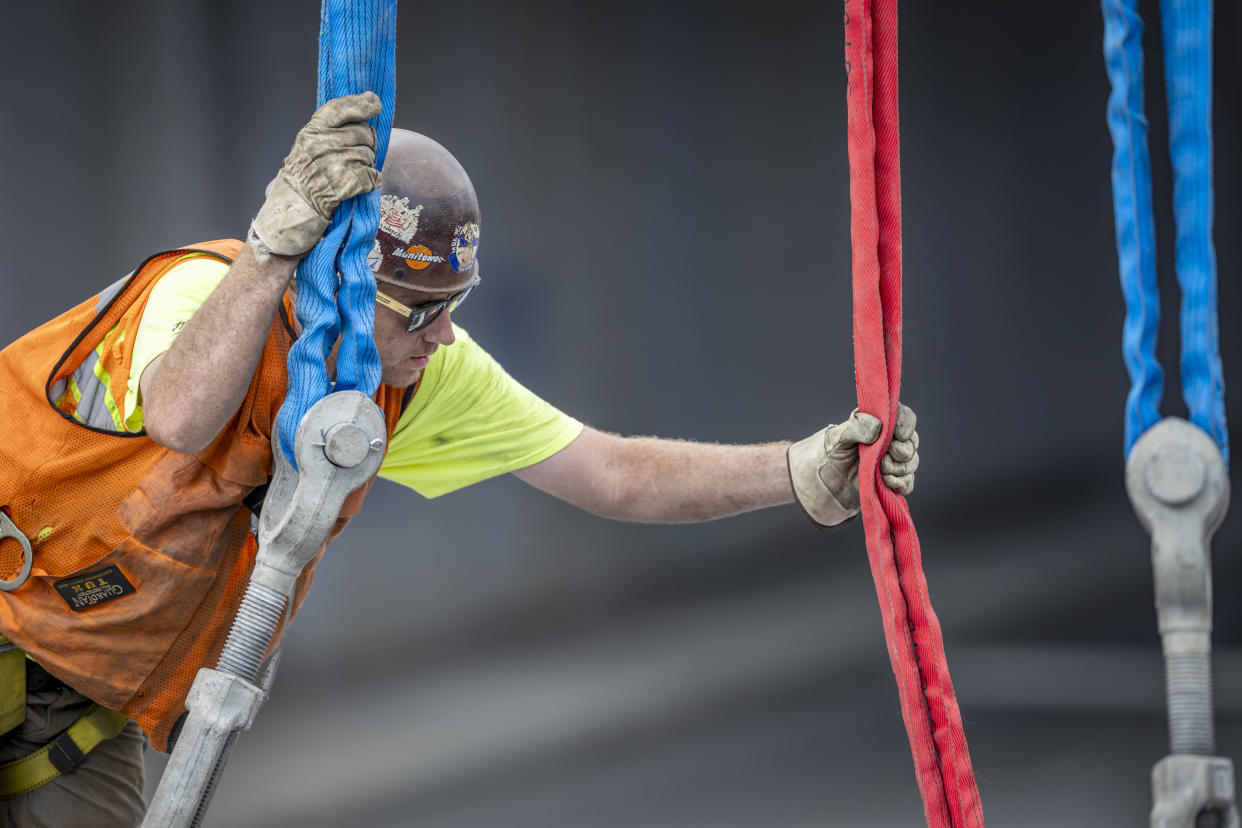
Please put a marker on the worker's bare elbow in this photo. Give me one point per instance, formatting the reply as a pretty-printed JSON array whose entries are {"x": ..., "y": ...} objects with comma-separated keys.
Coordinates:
[
  {"x": 171, "y": 432},
  {"x": 602, "y": 504},
  {"x": 613, "y": 493}
]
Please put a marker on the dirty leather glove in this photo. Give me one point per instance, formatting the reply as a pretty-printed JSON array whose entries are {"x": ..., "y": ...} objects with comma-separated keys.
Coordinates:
[
  {"x": 333, "y": 159},
  {"x": 899, "y": 463},
  {"x": 824, "y": 466}
]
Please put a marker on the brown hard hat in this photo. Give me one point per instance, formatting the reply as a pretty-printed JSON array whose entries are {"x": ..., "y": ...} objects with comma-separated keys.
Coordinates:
[{"x": 429, "y": 218}]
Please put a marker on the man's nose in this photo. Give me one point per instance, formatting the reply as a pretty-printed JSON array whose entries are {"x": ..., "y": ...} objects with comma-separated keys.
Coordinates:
[{"x": 440, "y": 331}]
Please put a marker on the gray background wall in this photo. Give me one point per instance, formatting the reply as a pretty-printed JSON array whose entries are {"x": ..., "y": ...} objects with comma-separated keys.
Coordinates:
[{"x": 666, "y": 246}]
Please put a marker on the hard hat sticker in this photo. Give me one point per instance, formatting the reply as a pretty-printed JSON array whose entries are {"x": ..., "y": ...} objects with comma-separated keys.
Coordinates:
[
  {"x": 376, "y": 257},
  {"x": 94, "y": 588},
  {"x": 465, "y": 245},
  {"x": 418, "y": 257},
  {"x": 397, "y": 219}
]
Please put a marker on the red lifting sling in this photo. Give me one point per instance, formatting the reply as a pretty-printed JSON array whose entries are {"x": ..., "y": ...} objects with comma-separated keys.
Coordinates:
[{"x": 928, "y": 705}]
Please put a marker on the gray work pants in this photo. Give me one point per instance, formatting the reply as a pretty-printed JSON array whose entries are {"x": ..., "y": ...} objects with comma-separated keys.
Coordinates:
[{"x": 105, "y": 791}]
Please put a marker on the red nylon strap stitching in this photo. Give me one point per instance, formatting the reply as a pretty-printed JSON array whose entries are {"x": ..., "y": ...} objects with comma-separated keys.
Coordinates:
[{"x": 916, "y": 651}]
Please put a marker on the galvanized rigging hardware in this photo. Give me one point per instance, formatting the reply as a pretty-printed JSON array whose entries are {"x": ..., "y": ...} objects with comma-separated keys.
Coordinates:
[
  {"x": 1177, "y": 482},
  {"x": 339, "y": 446},
  {"x": 8, "y": 529}
]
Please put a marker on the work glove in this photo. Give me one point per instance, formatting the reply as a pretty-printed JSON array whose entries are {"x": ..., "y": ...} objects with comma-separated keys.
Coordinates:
[
  {"x": 824, "y": 466},
  {"x": 333, "y": 159}
]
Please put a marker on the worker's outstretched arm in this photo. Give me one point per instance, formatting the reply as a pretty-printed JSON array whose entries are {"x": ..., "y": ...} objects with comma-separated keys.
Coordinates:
[
  {"x": 193, "y": 389},
  {"x": 655, "y": 480}
]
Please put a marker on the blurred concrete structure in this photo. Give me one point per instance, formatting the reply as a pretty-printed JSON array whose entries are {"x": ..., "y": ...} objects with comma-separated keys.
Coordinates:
[{"x": 665, "y": 207}]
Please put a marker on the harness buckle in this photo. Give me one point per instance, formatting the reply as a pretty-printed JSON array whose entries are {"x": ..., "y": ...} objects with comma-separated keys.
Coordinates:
[
  {"x": 8, "y": 529},
  {"x": 64, "y": 753}
]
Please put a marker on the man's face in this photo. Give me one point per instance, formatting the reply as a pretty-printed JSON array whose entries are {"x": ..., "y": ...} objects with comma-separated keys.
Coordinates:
[{"x": 403, "y": 356}]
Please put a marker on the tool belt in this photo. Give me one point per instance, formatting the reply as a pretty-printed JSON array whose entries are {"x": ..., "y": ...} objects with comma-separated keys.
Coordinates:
[{"x": 18, "y": 676}]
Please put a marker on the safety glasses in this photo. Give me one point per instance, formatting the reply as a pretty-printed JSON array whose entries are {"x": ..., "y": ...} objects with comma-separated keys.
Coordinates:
[{"x": 421, "y": 316}]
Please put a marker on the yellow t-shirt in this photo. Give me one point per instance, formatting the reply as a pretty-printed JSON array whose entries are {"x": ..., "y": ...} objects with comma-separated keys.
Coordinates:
[
  {"x": 174, "y": 299},
  {"x": 468, "y": 421}
]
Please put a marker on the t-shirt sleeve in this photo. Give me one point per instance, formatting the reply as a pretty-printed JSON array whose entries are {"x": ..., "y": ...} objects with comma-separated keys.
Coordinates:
[
  {"x": 470, "y": 420},
  {"x": 175, "y": 298}
]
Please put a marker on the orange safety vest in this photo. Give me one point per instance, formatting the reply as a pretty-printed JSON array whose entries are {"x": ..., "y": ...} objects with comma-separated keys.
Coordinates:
[{"x": 140, "y": 553}]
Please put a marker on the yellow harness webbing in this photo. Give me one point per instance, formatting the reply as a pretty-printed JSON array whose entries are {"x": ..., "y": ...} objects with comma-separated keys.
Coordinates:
[
  {"x": 12, "y": 686},
  {"x": 62, "y": 754}
]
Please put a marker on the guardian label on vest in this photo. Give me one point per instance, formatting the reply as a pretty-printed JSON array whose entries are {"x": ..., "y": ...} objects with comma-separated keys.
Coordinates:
[{"x": 93, "y": 588}]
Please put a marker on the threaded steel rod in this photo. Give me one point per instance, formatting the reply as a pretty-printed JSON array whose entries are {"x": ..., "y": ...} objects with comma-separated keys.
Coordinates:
[{"x": 252, "y": 632}]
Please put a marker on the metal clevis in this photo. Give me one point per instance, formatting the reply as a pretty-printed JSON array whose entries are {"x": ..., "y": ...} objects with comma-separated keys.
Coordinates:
[
  {"x": 1177, "y": 482},
  {"x": 339, "y": 446}
]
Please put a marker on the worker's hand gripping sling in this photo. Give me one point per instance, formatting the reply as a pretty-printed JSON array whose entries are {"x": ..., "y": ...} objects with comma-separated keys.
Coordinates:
[
  {"x": 325, "y": 444},
  {"x": 929, "y": 706},
  {"x": 1175, "y": 470}
]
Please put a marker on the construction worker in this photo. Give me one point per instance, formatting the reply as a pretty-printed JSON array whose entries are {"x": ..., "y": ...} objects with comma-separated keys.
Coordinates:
[{"x": 138, "y": 448}]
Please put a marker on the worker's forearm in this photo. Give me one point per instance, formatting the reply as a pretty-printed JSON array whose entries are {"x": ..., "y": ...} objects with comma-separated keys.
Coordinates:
[
  {"x": 193, "y": 389},
  {"x": 675, "y": 481}
]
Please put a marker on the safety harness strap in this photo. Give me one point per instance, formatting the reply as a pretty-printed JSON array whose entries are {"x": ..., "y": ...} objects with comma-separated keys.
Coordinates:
[
  {"x": 61, "y": 755},
  {"x": 929, "y": 706},
  {"x": 12, "y": 686}
]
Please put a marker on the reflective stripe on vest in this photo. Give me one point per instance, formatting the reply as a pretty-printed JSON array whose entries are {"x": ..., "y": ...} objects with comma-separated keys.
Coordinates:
[
  {"x": 87, "y": 394},
  {"x": 92, "y": 403}
]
